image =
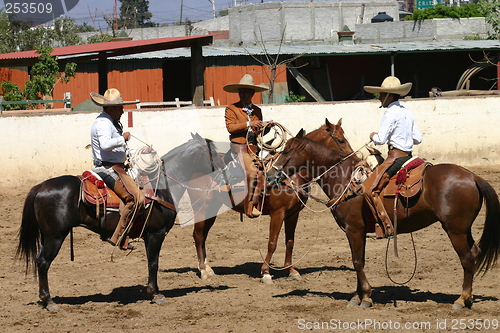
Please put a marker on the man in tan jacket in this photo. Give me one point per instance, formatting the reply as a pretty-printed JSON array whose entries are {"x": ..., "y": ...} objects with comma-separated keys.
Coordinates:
[{"x": 243, "y": 122}]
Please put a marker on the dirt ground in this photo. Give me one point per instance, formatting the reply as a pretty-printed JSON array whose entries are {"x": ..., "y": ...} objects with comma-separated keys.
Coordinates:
[{"x": 96, "y": 295}]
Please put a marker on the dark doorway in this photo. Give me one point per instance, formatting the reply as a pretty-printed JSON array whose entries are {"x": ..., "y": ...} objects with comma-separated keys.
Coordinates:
[{"x": 177, "y": 80}]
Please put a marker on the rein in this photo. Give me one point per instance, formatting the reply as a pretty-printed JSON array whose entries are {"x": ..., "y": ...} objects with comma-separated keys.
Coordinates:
[{"x": 337, "y": 200}]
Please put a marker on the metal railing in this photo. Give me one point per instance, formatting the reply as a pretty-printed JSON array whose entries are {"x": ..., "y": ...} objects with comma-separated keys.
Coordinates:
[{"x": 66, "y": 101}]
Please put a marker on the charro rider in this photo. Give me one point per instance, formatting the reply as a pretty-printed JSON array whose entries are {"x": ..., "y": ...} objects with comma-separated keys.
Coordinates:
[
  {"x": 243, "y": 122},
  {"x": 109, "y": 152},
  {"x": 399, "y": 130}
]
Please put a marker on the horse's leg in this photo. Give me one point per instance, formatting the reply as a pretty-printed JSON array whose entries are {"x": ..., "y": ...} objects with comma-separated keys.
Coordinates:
[
  {"x": 48, "y": 252},
  {"x": 200, "y": 234},
  {"x": 290, "y": 227},
  {"x": 153, "y": 242},
  {"x": 463, "y": 243},
  {"x": 275, "y": 224},
  {"x": 357, "y": 243}
]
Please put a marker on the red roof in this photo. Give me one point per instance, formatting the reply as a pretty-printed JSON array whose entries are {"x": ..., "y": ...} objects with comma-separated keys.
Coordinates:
[{"x": 109, "y": 49}]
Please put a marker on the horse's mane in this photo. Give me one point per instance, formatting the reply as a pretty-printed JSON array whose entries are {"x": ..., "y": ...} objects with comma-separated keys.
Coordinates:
[{"x": 172, "y": 160}]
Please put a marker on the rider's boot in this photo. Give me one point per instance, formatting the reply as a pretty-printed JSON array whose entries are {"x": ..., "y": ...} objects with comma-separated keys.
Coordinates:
[
  {"x": 379, "y": 209},
  {"x": 125, "y": 216}
]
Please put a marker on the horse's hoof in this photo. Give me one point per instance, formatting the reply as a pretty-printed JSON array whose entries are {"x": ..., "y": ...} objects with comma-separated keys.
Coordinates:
[
  {"x": 458, "y": 306},
  {"x": 52, "y": 307},
  {"x": 159, "y": 299},
  {"x": 205, "y": 275},
  {"x": 296, "y": 276},
  {"x": 267, "y": 279},
  {"x": 366, "y": 304},
  {"x": 352, "y": 303}
]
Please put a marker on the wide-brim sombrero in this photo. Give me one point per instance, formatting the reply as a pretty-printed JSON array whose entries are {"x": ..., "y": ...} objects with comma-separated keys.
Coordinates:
[
  {"x": 111, "y": 97},
  {"x": 245, "y": 82},
  {"x": 391, "y": 85}
]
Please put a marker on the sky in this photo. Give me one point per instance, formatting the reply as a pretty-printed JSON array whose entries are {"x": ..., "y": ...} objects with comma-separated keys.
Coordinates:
[{"x": 164, "y": 11}]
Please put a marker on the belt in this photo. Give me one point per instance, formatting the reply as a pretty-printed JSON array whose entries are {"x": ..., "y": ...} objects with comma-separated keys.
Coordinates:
[
  {"x": 110, "y": 164},
  {"x": 391, "y": 147}
]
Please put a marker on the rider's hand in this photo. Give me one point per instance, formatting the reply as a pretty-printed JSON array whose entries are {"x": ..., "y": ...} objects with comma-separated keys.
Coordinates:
[
  {"x": 148, "y": 150},
  {"x": 126, "y": 136},
  {"x": 372, "y": 134},
  {"x": 256, "y": 124}
]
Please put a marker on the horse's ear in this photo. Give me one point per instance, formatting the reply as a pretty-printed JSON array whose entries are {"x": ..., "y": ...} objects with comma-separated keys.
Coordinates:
[
  {"x": 197, "y": 137},
  {"x": 301, "y": 133},
  {"x": 339, "y": 123},
  {"x": 327, "y": 123}
]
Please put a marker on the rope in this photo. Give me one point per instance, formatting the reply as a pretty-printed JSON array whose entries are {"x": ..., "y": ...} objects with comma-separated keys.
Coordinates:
[
  {"x": 414, "y": 265},
  {"x": 281, "y": 133}
]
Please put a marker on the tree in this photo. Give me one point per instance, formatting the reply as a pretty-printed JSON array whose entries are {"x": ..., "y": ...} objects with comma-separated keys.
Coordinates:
[
  {"x": 135, "y": 14},
  {"x": 491, "y": 10},
  {"x": 19, "y": 36},
  {"x": 273, "y": 63},
  {"x": 45, "y": 75}
]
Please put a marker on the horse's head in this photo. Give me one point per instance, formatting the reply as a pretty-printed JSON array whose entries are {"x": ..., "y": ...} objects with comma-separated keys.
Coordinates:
[
  {"x": 292, "y": 158},
  {"x": 332, "y": 136}
]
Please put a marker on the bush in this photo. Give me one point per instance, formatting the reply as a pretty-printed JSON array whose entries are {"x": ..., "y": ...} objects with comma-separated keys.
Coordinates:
[
  {"x": 292, "y": 98},
  {"x": 11, "y": 92},
  {"x": 440, "y": 11}
]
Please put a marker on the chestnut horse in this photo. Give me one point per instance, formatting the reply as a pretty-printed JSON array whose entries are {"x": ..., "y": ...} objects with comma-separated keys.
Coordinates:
[
  {"x": 450, "y": 194},
  {"x": 54, "y": 207},
  {"x": 196, "y": 167}
]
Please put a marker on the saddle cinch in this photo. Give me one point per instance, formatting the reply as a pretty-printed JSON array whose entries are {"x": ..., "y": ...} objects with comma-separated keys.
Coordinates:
[{"x": 408, "y": 180}]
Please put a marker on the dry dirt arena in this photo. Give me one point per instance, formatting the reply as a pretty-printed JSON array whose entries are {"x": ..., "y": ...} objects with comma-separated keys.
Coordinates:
[{"x": 96, "y": 295}]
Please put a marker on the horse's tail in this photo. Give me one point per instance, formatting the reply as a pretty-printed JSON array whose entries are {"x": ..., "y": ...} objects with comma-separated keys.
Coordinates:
[
  {"x": 29, "y": 232},
  {"x": 489, "y": 244}
]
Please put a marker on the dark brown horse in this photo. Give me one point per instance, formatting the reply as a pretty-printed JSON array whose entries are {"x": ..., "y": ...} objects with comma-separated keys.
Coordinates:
[
  {"x": 53, "y": 207},
  {"x": 450, "y": 194},
  {"x": 196, "y": 167}
]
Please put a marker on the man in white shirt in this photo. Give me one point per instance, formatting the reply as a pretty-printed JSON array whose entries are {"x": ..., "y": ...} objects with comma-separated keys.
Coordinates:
[
  {"x": 109, "y": 152},
  {"x": 399, "y": 130}
]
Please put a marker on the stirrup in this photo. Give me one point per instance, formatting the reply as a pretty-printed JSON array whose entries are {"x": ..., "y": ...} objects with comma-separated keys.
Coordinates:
[{"x": 129, "y": 246}]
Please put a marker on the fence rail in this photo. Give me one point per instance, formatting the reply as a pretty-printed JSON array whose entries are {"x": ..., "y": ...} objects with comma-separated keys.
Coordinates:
[{"x": 66, "y": 101}]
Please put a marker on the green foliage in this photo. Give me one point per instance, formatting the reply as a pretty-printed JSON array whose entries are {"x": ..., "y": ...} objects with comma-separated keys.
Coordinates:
[
  {"x": 99, "y": 38},
  {"x": 293, "y": 98},
  {"x": 19, "y": 36},
  {"x": 440, "y": 11},
  {"x": 135, "y": 14},
  {"x": 491, "y": 11},
  {"x": 11, "y": 92},
  {"x": 45, "y": 75},
  {"x": 223, "y": 12}
]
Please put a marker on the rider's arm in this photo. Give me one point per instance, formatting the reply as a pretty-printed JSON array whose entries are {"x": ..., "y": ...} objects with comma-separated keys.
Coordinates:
[{"x": 235, "y": 124}]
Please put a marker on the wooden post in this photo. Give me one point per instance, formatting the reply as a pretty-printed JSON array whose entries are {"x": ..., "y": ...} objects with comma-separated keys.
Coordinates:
[
  {"x": 102, "y": 75},
  {"x": 197, "y": 74},
  {"x": 498, "y": 70}
]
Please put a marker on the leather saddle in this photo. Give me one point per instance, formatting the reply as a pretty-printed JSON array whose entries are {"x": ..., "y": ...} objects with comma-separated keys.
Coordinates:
[
  {"x": 408, "y": 180},
  {"x": 96, "y": 194}
]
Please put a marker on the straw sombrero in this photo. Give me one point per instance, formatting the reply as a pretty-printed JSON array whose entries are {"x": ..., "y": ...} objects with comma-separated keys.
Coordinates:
[
  {"x": 391, "y": 85},
  {"x": 111, "y": 97},
  {"x": 245, "y": 82}
]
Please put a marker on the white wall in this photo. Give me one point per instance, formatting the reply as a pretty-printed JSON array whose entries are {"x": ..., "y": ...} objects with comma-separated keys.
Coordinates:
[{"x": 36, "y": 147}]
